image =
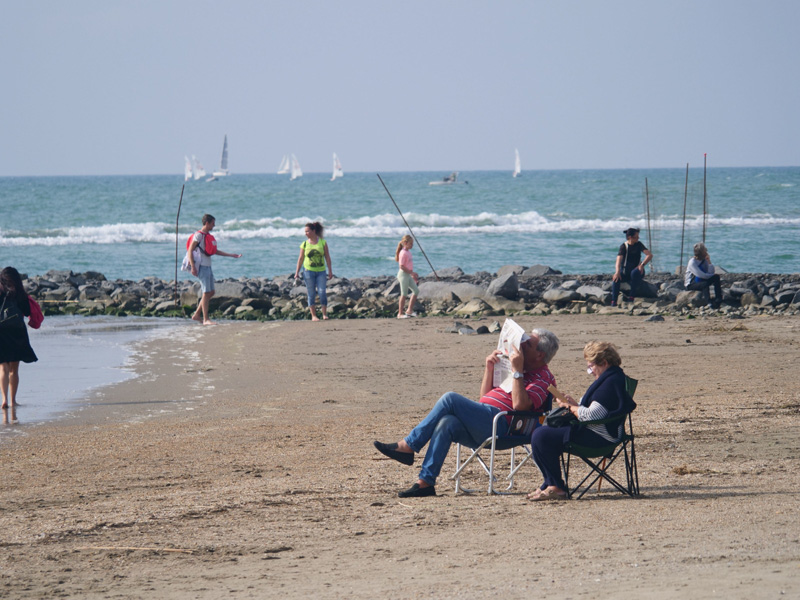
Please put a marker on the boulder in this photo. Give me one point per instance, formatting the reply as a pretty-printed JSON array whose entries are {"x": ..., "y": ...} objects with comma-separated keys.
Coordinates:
[
  {"x": 506, "y": 286},
  {"x": 559, "y": 296},
  {"x": 539, "y": 270},
  {"x": 593, "y": 292},
  {"x": 232, "y": 289},
  {"x": 450, "y": 273},
  {"x": 440, "y": 290},
  {"x": 506, "y": 269},
  {"x": 476, "y": 306}
]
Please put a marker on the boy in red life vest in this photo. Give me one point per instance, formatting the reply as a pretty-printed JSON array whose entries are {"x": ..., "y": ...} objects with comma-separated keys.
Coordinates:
[{"x": 205, "y": 242}]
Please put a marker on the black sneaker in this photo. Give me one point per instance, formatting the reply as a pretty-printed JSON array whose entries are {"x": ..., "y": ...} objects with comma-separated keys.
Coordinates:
[
  {"x": 390, "y": 450},
  {"x": 417, "y": 492}
]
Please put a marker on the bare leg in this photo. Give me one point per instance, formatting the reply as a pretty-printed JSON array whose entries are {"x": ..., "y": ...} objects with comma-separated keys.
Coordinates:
[
  {"x": 4, "y": 376},
  {"x": 412, "y": 303},
  {"x": 313, "y": 310},
  {"x": 325, "y": 312},
  {"x": 402, "y": 306},
  {"x": 13, "y": 381},
  {"x": 204, "y": 302}
]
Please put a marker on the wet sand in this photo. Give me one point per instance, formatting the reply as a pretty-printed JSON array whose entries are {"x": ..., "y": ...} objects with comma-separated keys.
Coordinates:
[{"x": 240, "y": 464}]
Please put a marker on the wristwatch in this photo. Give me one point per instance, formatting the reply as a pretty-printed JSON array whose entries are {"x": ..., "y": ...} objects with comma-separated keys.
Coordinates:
[{"x": 518, "y": 375}]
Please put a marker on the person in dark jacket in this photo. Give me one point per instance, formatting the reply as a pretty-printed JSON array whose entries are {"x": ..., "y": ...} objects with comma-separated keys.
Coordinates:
[
  {"x": 630, "y": 264},
  {"x": 14, "y": 343},
  {"x": 606, "y": 398}
]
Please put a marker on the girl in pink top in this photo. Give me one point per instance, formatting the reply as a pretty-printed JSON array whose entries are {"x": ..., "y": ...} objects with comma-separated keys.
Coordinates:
[{"x": 407, "y": 277}]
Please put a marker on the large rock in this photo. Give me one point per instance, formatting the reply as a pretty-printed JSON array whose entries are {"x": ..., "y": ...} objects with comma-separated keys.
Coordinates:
[
  {"x": 539, "y": 270},
  {"x": 476, "y": 306},
  {"x": 450, "y": 273},
  {"x": 506, "y": 269},
  {"x": 232, "y": 289},
  {"x": 559, "y": 296},
  {"x": 506, "y": 286},
  {"x": 593, "y": 292},
  {"x": 442, "y": 290}
]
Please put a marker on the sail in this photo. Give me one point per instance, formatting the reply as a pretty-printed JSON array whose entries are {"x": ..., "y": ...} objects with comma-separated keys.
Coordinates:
[
  {"x": 517, "y": 164},
  {"x": 223, "y": 162},
  {"x": 284, "y": 166},
  {"x": 187, "y": 169},
  {"x": 296, "y": 170},
  {"x": 199, "y": 170},
  {"x": 337, "y": 167}
]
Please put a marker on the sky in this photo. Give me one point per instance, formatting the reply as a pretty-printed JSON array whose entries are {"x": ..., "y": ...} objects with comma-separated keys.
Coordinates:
[{"x": 101, "y": 87}]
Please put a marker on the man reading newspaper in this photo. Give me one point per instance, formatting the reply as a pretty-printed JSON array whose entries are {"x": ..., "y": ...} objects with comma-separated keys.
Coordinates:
[{"x": 522, "y": 360}]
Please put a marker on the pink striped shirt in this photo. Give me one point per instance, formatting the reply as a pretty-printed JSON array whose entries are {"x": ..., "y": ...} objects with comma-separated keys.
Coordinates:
[{"x": 536, "y": 384}]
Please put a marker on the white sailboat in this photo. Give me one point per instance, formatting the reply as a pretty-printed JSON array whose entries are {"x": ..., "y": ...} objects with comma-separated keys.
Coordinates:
[
  {"x": 284, "y": 166},
  {"x": 296, "y": 170},
  {"x": 223, "y": 163},
  {"x": 197, "y": 168},
  {"x": 337, "y": 168},
  {"x": 517, "y": 164},
  {"x": 187, "y": 169}
]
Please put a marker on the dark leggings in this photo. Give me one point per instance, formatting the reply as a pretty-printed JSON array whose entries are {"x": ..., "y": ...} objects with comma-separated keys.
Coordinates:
[
  {"x": 633, "y": 277},
  {"x": 704, "y": 286},
  {"x": 548, "y": 444}
]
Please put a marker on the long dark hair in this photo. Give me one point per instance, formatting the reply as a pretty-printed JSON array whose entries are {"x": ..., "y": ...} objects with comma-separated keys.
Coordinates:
[{"x": 11, "y": 283}]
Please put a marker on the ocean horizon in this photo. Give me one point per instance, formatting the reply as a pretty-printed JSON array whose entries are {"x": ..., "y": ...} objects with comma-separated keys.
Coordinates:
[{"x": 571, "y": 220}]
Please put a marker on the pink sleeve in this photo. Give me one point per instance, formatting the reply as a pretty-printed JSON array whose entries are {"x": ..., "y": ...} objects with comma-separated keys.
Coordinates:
[{"x": 406, "y": 260}]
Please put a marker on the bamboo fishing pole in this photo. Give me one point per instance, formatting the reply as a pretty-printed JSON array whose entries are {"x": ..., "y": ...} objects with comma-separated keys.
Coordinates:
[
  {"x": 177, "y": 219},
  {"x": 705, "y": 196},
  {"x": 409, "y": 227},
  {"x": 647, "y": 216},
  {"x": 683, "y": 226}
]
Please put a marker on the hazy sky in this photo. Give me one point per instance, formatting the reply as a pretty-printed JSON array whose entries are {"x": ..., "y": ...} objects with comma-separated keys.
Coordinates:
[{"x": 117, "y": 87}]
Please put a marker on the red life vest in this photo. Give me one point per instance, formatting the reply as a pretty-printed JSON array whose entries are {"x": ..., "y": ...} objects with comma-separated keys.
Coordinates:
[{"x": 209, "y": 245}]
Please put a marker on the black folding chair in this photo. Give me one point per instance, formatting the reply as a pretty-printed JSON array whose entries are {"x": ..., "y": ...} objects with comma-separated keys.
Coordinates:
[{"x": 601, "y": 459}]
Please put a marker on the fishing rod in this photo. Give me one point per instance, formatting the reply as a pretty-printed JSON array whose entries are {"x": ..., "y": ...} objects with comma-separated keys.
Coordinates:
[
  {"x": 175, "y": 294},
  {"x": 683, "y": 226},
  {"x": 409, "y": 227}
]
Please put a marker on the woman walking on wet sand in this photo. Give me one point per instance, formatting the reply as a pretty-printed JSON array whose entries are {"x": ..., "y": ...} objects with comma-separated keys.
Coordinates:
[
  {"x": 314, "y": 255},
  {"x": 15, "y": 347},
  {"x": 407, "y": 277}
]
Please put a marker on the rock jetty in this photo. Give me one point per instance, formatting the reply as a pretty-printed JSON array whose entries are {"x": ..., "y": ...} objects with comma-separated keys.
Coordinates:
[{"x": 513, "y": 290}]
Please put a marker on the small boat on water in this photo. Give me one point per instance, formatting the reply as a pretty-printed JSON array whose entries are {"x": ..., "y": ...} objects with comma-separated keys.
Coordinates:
[
  {"x": 296, "y": 170},
  {"x": 449, "y": 180},
  {"x": 337, "y": 168},
  {"x": 284, "y": 166},
  {"x": 198, "y": 170},
  {"x": 187, "y": 168},
  {"x": 517, "y": 164},
  {"x": 223, "y": 163}
]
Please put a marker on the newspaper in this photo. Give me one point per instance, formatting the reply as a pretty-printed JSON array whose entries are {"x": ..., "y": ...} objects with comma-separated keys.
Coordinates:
[{"x": 511, "y": 336}]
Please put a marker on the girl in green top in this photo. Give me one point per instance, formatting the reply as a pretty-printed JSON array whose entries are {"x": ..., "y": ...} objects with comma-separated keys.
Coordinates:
[{"x": 313, "y": 256}]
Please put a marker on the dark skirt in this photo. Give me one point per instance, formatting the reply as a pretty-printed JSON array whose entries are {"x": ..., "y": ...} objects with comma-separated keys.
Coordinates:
[{"x": 14, "y": 343}]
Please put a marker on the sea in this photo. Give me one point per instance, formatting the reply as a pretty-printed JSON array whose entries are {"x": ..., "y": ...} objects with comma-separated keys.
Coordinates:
[
  {"x": 570, "y": 220},
  {"x": 131, "y": 227}
]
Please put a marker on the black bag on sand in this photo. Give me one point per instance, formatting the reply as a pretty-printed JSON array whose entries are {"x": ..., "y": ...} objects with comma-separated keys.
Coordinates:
[{"x": 560, "y": 416}]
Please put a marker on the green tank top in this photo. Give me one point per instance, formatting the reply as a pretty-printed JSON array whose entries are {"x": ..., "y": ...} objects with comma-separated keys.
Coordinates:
[{"x": 314, "y": 255}]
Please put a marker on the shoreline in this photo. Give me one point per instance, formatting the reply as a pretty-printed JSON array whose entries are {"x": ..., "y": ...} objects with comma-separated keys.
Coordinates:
[
  {"x": 270, "y": 485},
  {"x": 513, "y": 290}
]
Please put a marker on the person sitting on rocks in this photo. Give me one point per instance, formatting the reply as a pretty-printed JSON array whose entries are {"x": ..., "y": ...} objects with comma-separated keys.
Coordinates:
[
  {"x": 700, "y": 275},
  {"x": 455, "y": 418},
  {"x": 630, "y": 266}
]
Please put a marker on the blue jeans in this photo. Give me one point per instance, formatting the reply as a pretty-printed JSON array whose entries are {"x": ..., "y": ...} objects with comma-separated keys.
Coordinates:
[
  {"x": 633, "y": 277},
  {"x": 315, "y": 285},
  {"x": 453, "y": 418}
]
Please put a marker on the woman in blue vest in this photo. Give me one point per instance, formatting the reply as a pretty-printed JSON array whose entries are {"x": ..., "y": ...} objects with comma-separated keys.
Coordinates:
[{"x": 606, "y": 398}]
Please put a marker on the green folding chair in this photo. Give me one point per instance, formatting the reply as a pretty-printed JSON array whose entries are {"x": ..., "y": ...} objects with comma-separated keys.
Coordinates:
[{"x": 601, "y": 459}]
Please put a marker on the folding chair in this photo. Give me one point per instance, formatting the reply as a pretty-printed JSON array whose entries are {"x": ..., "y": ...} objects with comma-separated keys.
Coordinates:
[
  {"x": 522, "y": 425},
  {"x": 601, "y": 459}
]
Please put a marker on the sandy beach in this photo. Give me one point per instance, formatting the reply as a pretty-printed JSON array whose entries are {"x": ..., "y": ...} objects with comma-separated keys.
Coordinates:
[{"x": 240, "y": 464}]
